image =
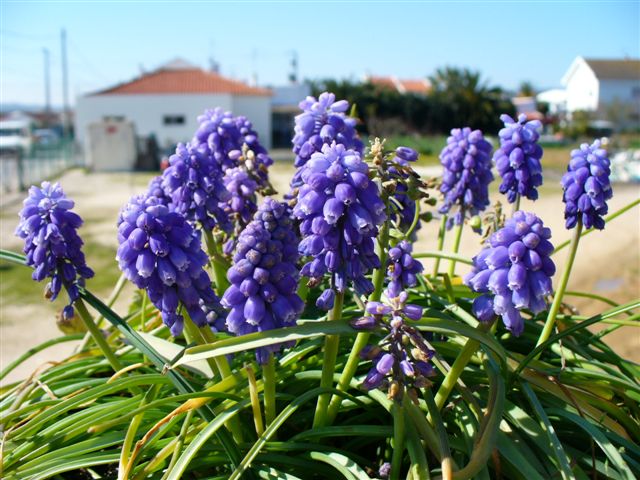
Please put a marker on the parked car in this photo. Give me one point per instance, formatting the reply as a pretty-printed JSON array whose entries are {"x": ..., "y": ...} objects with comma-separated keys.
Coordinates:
[
  {"x": 46, "y": 137},
  {"x": 15, "y": 136}
]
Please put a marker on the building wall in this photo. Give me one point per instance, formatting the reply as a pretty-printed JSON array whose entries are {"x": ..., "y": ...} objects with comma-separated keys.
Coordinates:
[
  {"x": 582, "y": 88},
  {"x": 625, "y": 91},
  {"x": 258, "y": 110},
  {"x": 147, "y": 113}
]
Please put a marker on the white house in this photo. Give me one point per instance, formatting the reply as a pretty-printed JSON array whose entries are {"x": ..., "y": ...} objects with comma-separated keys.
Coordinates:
[
  {"x": 598, "y": 85},
  {"x": 167, "y": 101}
]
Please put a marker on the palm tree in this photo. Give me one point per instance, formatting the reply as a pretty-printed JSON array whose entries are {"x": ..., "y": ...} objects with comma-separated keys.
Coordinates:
[{"x": 463, "y": 98}]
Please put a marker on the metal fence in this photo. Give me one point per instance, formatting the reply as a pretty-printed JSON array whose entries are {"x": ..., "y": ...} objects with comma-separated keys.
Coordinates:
[{"x": 19, "y": 170}]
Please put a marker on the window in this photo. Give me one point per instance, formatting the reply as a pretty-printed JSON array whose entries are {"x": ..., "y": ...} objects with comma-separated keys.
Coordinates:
[
  {"x": 113, "y": 118},
  {"x": 635, "y": 92},
  {"x": 173, "y": 120}
]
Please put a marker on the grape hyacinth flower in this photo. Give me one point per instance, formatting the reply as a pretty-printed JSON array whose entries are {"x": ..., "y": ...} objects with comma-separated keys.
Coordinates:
[
  {"x": 264, "y": 277},
  {"x": 513, "y": 272},
  {"x": 404, "y": 205},
  {"x": 587, "y": 186},
  {"x": 518, "y": 158},
  {"x": 155, "y": 189},
  {"x": 402, "y": 269},
  {"x": 401, "y": 360},
  {"x": 161, "y": 252},
  {"x": 322, "y": 122},
  {"x": 339, "y": 210},
  {"x": 466, "y": 161},
  {"x": 194, "y": 183},
  {"x": 51, "y": 242},
  {"x": 222, "y": 136},
  {"x": 242, "y": 188}
]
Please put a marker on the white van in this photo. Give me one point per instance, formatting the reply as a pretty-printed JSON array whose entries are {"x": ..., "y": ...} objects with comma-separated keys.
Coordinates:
[{"x": 15, "y": 136}]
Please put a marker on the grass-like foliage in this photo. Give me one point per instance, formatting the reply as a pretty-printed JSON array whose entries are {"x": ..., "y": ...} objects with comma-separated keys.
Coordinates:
[{"x": 136, "y": 402}]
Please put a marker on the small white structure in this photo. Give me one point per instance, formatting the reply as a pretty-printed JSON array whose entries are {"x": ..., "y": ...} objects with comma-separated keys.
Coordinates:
[
  {"x": 166, "y": 103},
  {"x": 556, "y": 98},
  {"x": 595, "y": 85},
  {"x": 110, "y": 146}
]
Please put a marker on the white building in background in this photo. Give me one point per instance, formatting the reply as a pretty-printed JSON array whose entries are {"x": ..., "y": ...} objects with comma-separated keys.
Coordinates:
[
  {"x": 556, "y": 98},
  {"x": 167, "y": 101},
  {"x": 597, "y": 85}
]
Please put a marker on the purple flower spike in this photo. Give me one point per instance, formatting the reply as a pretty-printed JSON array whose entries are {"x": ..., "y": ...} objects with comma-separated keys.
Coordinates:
[
  {"x": 160, "y": 252},
  {"x": 518, "y": 158},
  {"x": 339, "y": 214},
  {"x": 402, "y": 269},
  {"x": 587, "y": 186},
  {"x": 400, "y": 361},
  {"x": 466, "y": 161},
  {"x": 193, "y": 181},
  {"x": 513, "y": 272},
  {"x": 264, "y": 278},
  {"x": 51, "y": 242},
  {"x": 322, "y": 122}
]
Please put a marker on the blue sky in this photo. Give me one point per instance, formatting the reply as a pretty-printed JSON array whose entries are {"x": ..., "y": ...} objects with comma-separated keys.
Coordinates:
[{"x": 110, "y": 42}]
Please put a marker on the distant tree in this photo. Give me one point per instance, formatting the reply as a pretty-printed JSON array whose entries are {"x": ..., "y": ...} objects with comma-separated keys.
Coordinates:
[
  {"x": 526, "y": 89},
  {"x": 462, "y": 98}
]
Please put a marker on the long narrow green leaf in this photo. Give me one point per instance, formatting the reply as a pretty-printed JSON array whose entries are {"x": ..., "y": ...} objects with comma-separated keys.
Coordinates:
[
  {"x": 198, "y": 442},
  {"x": 137, "y": 341},
  {"x": 560, "y": 454},
  {"x": 600, "y": 438},
  {"x": 347, "y": 467}
]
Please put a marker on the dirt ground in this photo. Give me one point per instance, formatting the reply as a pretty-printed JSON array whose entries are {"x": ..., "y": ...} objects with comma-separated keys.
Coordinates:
[{"x": 608, "y": 262}]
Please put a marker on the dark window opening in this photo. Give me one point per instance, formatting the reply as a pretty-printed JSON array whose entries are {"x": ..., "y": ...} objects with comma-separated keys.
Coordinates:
[{"x": 173, "y": 120}]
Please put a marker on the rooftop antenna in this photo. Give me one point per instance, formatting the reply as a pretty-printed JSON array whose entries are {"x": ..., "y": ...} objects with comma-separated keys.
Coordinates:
[
  {"x": 293, "y": 74},
  {"x": 254, "y": 64},
  {"x": 47, "y": 82}
]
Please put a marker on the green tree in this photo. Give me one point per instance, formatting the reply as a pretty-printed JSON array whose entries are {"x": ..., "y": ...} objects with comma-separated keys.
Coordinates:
[
  {"x": 462, "y": 98},
  {"x": 526, "y": 89}
]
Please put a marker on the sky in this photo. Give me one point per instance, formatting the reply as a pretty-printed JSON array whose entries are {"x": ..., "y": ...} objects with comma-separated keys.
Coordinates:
[{"x": 110, "y": 42}]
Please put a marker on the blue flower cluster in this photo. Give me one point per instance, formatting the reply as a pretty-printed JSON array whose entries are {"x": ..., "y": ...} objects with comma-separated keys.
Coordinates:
[
  {"x": 467, "y": 174},
  {"x": 322, "y": 122},
  {"x": 587, "y": 186},
  {"x": 51, "y": 242},
  {"x": 401, "y": 361},
  {"x": 518, "y": 158},
  {"x": 222, "y": 136},
  {"x": 402, "y": 269},
  {"x": 264, "y": 277},
  {"x": 194, "y": 183},
  {"x": 403, "y": 208},
  {"x": 161, "y": 252},
  {"x": 339, "y": 210},
  {"x": 514, "y": 271},
  {"x": 234, "y": 146}
]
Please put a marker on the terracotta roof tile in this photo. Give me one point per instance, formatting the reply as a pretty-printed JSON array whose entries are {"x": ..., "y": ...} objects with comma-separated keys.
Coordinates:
[{"x": 181, "y": 81}]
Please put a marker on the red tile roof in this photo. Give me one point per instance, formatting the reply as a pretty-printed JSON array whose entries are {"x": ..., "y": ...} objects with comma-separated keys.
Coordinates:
[
  {"x": 181, "y": 81},
  {"x": 400, "y": 85}
]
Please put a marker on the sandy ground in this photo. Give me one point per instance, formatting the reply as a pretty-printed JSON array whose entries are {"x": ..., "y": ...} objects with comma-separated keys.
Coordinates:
[{"x": 608, "y": 263}]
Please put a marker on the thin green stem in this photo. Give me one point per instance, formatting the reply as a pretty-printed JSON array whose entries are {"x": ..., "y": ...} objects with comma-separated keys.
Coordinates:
[
  {"x": 362, "y": 338},
  {"x": 125, "y": 467},
  {"x": 218, "y": 264},
  {"x": 564, "y": 280},
  {"x": 450, "y": 380},
  {"x": 331, "y": 346},
  {"x": 180, "y": 443},
  {"x": 122, "y": 280},
  {"x": 516, "y": 205},
  {"x": 269, "y": 381},
  {"x": 97, "y": 335},
  {"x": 442, "y": 231},
  {"x": 193, "y": 333},
  {"x": 221, "y": 361},
  {"x": 398, "y": 440},
  {"x": 607, "y": 219},
  {"x": 443, "y": 440},
  {"x": 456, "y": 247}
]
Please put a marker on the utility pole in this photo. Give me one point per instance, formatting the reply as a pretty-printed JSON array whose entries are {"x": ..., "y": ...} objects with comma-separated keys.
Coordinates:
[
  {"x": 47, "y": 85},
  {"x": 293, "y": 75},
  {"x": 65, "y": 84}
]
